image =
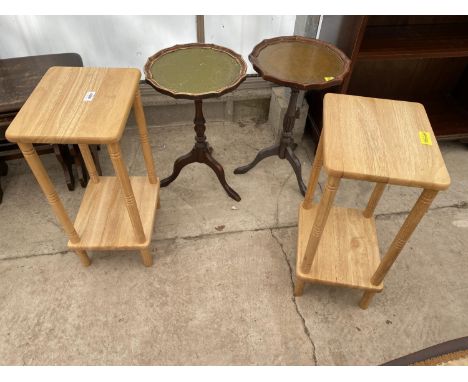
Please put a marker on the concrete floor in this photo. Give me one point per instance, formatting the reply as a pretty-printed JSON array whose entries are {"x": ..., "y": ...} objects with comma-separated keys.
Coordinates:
[{"x": 220, "y": 290}]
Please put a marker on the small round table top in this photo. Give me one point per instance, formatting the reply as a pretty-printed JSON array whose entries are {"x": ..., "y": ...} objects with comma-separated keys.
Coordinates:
[
  {"x": 195, "y": 71},
  {"x": 299, "y": 62}
]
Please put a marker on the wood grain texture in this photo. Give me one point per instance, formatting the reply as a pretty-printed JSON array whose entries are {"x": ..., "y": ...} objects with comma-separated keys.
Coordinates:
[
  {"x": 103, "y": 222},
  {"x": 416, "y": 214},
  {"x": 320, "y": 219},
  {"x": 378, "y": 140},
  {"x": 127, "y": 192},
  {"x": 57, "y": 113},
  {"x": 374, "y": 199},
  {"x": 314, "y": 176},
  {"x": 348, "y": 252},
  {"x": 144, "y": 139},
  {"x": 89, "y": 162},
  {"x": 146, "y": 257},
  {"x": 366, "y": 299},
  {"x": 415, "y": 41},
  {"x": 47, "y": 187},
  {"x": 20, "y": 75}
]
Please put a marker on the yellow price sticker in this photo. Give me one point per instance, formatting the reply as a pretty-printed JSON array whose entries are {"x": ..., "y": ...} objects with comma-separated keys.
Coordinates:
[
  {"x": 425, "y": 138},
  {"x": 328, "y": 78}
]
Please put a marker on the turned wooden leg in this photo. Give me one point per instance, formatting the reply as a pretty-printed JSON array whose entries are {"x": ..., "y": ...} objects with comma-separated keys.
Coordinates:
[
  {"x": 146, "y": 257},
  {"x": 374, "y": 199},
  {"x": 406, "y": 230},
  {"x": 298, "y": 287},
  {"x": 52, "y": 197},
  {"x": 130, "y": 202},
  {"x": 319, "y": 224},
  {"x": 89, "y": 162},
  {"x": 314, "y": 175},
  {"x": 366, "y": 299},
  {"x": 144, "y": 139},
  {"x": 403, "y": 235}
]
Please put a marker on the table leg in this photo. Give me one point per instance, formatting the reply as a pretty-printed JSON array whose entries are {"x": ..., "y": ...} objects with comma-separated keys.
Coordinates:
[
  {"x": 262, "y": 154},
  {"x": 374, "y": 200},
  {"x": 200, "y": 153},
  {"x": 219, "y": 171},
  {"x": 47, "y": 187},
  {"x": 144, "y": 139},
  {"x": 296, "y": 165},
  {"x": 319, "y": 223},
  {"x": 63, "y": 155},
  {"x": 130, "y": 202},
  {"x": 3, "y": 172},
  {"x": 89, "y": 163},
  {"x": 403, "y": 235},
  {"x": 285, "y": 148},
  {"x": 298, "y": 287},
  {"x": 314, "y": 176}
]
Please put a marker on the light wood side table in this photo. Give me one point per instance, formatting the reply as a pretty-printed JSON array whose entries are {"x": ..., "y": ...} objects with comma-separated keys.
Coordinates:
[
  {"x": 90, "y": 106},
  {"x": 377, "y": 140}
]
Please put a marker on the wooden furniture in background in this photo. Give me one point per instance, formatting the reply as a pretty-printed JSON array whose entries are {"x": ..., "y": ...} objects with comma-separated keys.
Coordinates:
[
  {"x": 413, "y": 58},
  {"x": 376, "y": 140},
  {"x": 299, "y": 63},
  {"x": 87, "y": 106},
  {"x": 18, "y": 78},
  {"x": 196, "y": 71}
]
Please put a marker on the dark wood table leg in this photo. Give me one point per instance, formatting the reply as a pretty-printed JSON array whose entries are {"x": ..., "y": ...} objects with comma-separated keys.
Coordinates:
[
  {"x": 285, "y": 148},
  {"x": 262, "y": 154},
  {"x": 200, "y": 153},
  {"x": 94, "y": 152},
  {"x": 296, "y": 165},
  {"x": 3, "y": 172},
  {"x": 83, "y": 176},
  {"x": 65, "y": 159}
]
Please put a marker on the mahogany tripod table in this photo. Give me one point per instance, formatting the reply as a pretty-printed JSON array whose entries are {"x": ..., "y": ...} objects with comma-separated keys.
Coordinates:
[
  {"x": 299, "y": 63},
  {"x": 196, "y": 71}
]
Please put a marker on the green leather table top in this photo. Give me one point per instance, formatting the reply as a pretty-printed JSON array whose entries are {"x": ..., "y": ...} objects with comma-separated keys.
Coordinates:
[{"x": 196, "y": 70}]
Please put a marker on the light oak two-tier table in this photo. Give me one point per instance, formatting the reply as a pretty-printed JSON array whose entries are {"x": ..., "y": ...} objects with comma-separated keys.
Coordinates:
[
  {"x": 376, "y": 140},
  {"x": 91, "y": 106}
]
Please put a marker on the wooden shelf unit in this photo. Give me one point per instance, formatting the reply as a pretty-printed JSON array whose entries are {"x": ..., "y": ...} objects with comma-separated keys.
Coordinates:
[
  {"x": 410, "y": 58},
  {"x": 367, "y": 139},
  {"x": 84, "y": 106}
]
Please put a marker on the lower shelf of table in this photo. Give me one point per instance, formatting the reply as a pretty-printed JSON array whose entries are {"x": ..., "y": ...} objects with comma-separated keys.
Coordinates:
[
  {"x": 103, "y": 222},
  {"x": 348, "y": 252}
]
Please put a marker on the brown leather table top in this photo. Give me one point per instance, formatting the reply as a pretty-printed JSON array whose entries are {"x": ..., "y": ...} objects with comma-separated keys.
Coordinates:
[{"x": 299, "y": 62}]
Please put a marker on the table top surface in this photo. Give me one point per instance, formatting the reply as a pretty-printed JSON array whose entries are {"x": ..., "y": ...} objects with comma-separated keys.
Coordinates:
[
  {"x": 300, "y": 62},
  {"x": 382, "y": 141},
  {"x": 20, "y": 75},
  {"x": 195, "y": 71},
  {"x": 77, "y": 105}
]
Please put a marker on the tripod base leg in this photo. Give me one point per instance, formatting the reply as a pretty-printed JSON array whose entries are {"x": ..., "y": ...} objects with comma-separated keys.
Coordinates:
[
  {"x": 296, "y": 165},
  {"x": 262, "y": 154}
]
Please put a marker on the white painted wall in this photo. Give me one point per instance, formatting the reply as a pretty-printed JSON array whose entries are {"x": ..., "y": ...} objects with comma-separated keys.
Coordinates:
[
  {"x": 122, "y": 41},
  {"x": 127, "y": 41},
  {"x": 242, "y": 33}
]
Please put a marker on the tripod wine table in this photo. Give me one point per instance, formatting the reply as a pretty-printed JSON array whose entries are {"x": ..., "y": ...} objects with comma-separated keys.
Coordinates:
[
  {"x": 90, "y": 106},
  {"x": 196, "y": 71},
  {"x": 376, "y": 140},
  {"x": 299, "y": 63}
]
